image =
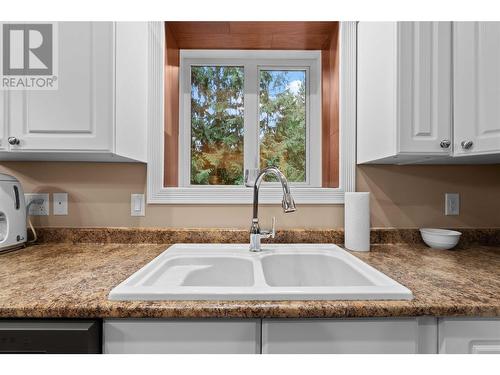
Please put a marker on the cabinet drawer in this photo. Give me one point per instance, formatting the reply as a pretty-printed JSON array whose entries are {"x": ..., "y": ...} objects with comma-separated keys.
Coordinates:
[
  {"x": 349, "y": 336},
  {"x": 181, "y": 336}
]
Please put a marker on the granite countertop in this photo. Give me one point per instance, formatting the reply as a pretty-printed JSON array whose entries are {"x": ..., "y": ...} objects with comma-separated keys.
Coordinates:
[{"x": 72, "y": 280}]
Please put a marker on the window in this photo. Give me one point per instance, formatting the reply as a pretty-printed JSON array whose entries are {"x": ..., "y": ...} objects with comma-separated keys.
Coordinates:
[
  {"x": 242, "y": 111},
  {"x": 290, "y": 101}
]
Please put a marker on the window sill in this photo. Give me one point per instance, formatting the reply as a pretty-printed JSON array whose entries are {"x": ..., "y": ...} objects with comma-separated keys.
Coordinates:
[{"x": 244, "y": 195}]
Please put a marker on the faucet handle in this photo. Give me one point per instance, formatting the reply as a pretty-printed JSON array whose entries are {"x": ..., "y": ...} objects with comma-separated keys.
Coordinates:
[{"x": 269, "y": 233}]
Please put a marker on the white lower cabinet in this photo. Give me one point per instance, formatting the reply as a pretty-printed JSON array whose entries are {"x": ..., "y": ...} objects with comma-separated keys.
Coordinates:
[
  {"x": 424, "y": 335},
  {"x": 127, "y": 336},
  {"x": 469, "y": 335},
  {"x": 366, "y": 335}
]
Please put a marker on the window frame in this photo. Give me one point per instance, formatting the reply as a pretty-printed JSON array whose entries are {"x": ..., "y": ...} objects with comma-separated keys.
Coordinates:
[
  {"x": 157, "y": 193},
  {"x": 253, "y": 62}
]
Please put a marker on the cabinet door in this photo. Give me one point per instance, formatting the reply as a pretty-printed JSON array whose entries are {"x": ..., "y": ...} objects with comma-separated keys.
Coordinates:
[
  {"x": 3, "y": 120},
  {"x": 181, "y": 336},
  {"x": 349, "y": 336},
  {"x": 477, "y": 87},
  {"x": 78, "y": 116},
  {"x": 469, "y": 335},
  {"x": 424, "y": 87}
]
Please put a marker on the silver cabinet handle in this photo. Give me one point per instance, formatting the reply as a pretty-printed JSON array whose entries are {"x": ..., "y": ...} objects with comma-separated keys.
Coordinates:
[
  {"x": 13, "y": 141},
  {"x": 466, "y": 144},
  {"x": 445, "y": 143}
]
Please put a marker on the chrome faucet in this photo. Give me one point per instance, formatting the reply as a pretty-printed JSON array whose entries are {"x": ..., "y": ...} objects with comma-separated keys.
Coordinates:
[{"x": 287, "y": 203}]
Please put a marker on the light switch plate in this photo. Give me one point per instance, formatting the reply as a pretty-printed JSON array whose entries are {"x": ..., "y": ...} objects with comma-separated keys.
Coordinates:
[
  {"x": 137, "y": 205},
  {"x": 60, "y": 203},
  {"x": 452, "y": 204},
  {"x": 37, "y": 209}
]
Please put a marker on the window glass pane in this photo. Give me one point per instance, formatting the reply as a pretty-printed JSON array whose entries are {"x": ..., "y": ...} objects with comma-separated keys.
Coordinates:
[
  {"x": 282, "y": 128},
  {"x": 217, "y": 125}
]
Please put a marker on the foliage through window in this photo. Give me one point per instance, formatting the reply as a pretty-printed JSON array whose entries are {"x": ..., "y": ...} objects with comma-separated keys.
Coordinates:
[
  {"x": 217, "y": 108},
  {"x": 241, "y": 114},
  {"x": 282, "y": 133}
]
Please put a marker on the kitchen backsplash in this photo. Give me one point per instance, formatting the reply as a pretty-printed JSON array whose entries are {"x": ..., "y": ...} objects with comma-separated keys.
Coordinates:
[{"x": 402, "y": 197}]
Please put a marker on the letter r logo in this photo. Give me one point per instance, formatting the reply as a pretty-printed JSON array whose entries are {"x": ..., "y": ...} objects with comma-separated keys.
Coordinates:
[{"x": 27, "y": 49}]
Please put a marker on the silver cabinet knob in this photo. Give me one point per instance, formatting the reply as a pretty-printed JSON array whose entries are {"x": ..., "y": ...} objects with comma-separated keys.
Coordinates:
[
  {"x": 445, "y": 143},
  {"x": 13, "y": 141},
  {"x": 466, "y": 144}
]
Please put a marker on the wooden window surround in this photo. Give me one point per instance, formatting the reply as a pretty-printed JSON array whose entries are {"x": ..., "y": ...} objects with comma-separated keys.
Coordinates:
[{"x": 322, "y": 36}]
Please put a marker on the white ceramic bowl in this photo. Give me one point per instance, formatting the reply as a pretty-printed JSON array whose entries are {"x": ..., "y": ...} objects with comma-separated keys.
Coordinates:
[{"x": 440, "y": 238}]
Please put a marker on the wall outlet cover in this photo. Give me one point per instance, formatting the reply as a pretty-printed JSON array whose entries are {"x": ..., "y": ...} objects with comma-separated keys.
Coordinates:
[
  {"x": 37, "y": 209},
  {"x": 137, "y": 205},
  {"x": 452, "y": 204},
  {"x": 60, "y": 203}
]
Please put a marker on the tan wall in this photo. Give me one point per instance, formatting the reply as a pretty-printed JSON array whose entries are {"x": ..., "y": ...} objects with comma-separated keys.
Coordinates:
[{"x": 402, "y": 196}]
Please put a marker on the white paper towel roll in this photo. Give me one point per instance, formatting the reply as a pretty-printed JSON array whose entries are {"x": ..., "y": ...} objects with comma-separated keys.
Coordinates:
[{"x": 357, "y": 221}]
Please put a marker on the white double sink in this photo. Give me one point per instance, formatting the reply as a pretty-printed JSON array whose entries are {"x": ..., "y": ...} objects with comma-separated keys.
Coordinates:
[{"x": 279, "y": 272}]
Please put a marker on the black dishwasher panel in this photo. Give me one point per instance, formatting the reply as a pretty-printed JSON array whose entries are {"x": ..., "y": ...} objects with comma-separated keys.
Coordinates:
[{"x": 50, "y": 336}]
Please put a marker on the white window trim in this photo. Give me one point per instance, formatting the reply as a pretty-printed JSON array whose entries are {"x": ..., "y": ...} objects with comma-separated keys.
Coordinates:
[
  {"x": 253, "y": 62},
  {"x": 158, "y": 194}
]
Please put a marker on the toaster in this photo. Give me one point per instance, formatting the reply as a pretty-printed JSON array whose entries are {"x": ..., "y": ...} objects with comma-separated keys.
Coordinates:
[{"x": 12, "y": 213}]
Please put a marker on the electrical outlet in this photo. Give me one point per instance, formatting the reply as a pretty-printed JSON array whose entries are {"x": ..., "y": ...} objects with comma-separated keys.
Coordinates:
[
  {"x": 452, "y": 204},
  {"x": 60, "y": 203},
  {"x": 37, "y": 209}
]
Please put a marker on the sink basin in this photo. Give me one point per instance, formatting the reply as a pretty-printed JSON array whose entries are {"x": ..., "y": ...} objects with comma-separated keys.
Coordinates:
[
  {"x": 202, "y": 271},
  {"x": 311, "y": 270},
  {"x": 279, "y": 272}
]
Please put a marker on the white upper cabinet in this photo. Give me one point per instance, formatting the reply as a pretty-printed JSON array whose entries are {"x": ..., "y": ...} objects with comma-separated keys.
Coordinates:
[
  {"x": 404, "y": 91},
  {"x": 419, "y": 102},
  {"x": 424, "y": 87},
  {"x": 79, "y": 114},
  {"x": 476, "y": 88},
  {"x": 3, "y": 119},
  {"x": 78, "y": 120}
]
